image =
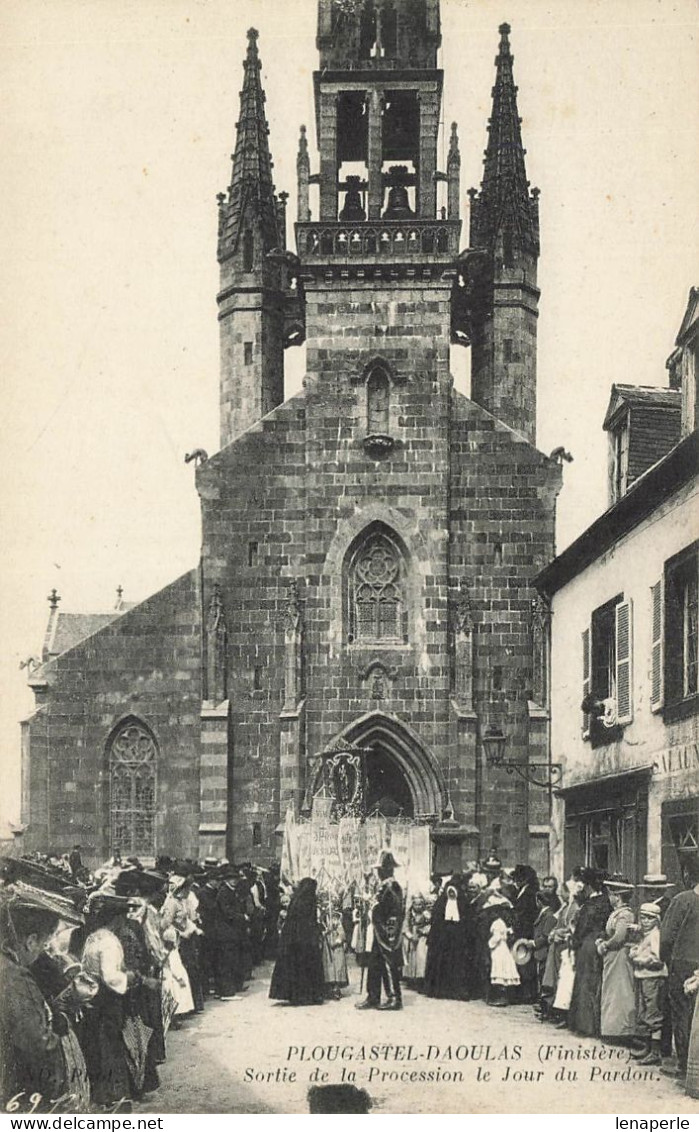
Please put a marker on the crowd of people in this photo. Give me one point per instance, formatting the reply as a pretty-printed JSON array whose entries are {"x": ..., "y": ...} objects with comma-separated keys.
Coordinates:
[
  {"x": 97, "y": 968},
  {"x": 594, "y": 955}
]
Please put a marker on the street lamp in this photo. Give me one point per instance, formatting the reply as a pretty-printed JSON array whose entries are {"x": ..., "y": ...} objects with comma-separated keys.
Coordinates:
[{"x": 494, "y": 742}]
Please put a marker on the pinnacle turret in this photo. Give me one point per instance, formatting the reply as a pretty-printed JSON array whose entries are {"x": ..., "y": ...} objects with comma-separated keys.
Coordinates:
[
  {"x": 504, "y": 205},
  {"x": 251, "y": 178}
]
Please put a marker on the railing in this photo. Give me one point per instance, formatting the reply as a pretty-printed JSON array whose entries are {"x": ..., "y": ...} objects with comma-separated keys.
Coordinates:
[{"x": 369, "y": 241}]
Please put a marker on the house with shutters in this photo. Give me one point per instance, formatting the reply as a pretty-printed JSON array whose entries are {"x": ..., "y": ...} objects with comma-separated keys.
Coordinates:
[{"x": 624, "y": 697}]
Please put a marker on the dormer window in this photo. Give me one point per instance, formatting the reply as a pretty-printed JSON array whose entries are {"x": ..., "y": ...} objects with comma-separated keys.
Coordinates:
[
  {"x": 619, "y": 459},
  {"x": 643, "y": 424}
]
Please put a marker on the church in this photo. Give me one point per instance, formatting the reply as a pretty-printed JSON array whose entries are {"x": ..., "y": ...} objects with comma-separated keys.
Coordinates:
[{"x": 364, "y": 587}]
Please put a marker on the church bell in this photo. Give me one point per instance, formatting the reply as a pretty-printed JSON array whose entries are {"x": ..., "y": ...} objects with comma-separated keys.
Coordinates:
[
  {"x": 398, "y": 206},
  {"x": 352, "y": 209}
]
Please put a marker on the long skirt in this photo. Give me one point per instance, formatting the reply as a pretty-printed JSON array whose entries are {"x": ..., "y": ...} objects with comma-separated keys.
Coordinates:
[
  {"x": 229, "y": 967},
  {"x": 144, "y": 1004},
  {"x": 692, "y": 1085},
  {"x": 446, "y": 969},
  {"x": 176, "y": 981},
  {"x": 189, "y": 954},
  {"x": 565, "y": 979},
  {"x": 529, "y": 982},
  {"x": 102, "y": 1042},
  {"x": 584, "y": 1010},
  {"x": 152, "y": 1005},
  {"x": 77, "y": 1080},
  {"x": 618, "y": 1002},
  {"x": 298, "y": 973},
  {"x": 549, "y": 975}
]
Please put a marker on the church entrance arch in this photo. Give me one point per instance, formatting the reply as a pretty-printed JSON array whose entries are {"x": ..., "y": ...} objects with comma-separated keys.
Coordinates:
[
  {"x": 402, "y": 774},
  {"x": 387, "y": 788}
]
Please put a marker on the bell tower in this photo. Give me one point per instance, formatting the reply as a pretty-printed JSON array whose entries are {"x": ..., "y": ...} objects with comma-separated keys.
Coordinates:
[
  {"x": 377, "y": 250},
  {"x": 377, "y": 96}
]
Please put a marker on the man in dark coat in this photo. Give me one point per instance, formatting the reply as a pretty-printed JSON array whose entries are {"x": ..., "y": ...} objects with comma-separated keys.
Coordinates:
[
  {"x": 526, "y": 887},
  {"x": 386, "y": 956},
  {"x": 208, "y": 894},
  {"x": 231, "y": 938}
]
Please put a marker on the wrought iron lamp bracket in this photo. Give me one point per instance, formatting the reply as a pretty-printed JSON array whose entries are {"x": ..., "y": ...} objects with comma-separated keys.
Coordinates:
[
  {"x": 524, "y": 770},
  {"x": 494, "y": 742}
]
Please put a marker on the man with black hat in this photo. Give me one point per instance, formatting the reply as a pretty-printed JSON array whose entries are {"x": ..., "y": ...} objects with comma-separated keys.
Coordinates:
[
  {"x": 386, "y": 957},
  {"x": 31, "y": 1059}
]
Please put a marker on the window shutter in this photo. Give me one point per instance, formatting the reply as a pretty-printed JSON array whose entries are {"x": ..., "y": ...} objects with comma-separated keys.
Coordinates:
[
  {"x": 586, "y": 679},
  {"x": 656, "y": 655},
  {"x": 624, "y": 667}
]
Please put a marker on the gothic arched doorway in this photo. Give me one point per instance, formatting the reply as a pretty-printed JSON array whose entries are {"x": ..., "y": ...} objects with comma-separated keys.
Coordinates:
[
  {"x": 400, "y": 769},
  {"x": 387, "y": 788}
]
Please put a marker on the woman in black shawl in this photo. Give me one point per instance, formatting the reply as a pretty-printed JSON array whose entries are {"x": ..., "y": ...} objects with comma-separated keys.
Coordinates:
[
  {"x": 450, "y": 945},
  {"x": 298, "y": 971},
  {"x": 142, "y": 1002},
  {"x": 585, "y": 1003}
]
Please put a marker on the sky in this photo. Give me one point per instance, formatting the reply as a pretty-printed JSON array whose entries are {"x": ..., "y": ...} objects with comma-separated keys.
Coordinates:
[{"x": 118, "y": 125}]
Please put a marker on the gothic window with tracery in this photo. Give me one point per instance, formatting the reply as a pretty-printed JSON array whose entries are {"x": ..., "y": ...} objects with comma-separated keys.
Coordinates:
[
  {"x": 377, "y": 604},
  {"x": 133, "y": 759},
  {"x": 377, "y": 394}
]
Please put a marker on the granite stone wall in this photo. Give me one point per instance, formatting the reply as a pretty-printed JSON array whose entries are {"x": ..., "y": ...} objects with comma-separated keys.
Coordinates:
[{"x": 146, "y": 665}]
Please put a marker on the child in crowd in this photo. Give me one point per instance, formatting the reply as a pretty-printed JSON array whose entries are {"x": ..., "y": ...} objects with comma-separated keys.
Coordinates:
[
  {"x": 334, "y": 954},
  {"x": 650, "y": 974},
  {"x": 417, "y": 929}
]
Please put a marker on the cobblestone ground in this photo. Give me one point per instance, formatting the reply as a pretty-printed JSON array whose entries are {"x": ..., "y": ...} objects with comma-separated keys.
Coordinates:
[{"x": 256, "y": 1056}]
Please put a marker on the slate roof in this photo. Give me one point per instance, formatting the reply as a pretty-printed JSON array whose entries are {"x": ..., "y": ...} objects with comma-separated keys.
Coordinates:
[
  {"x": 71, "y": 628},
  {"x": 641, "y": 396}
]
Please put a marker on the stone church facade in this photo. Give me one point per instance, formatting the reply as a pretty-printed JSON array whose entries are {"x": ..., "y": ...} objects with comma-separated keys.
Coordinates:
[{"x": 368, "y": 544}]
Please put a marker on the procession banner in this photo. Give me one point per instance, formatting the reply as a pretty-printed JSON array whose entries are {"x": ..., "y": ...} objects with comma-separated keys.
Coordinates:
[
  {"x": 325, "y": 853},
  {"x": 322, "y": 808},
  {"x": 289, "y": 861},
  {"x": 372, "y": 841},
  {"x": 350, "y": 853},
  {"x": 418, "y": 880},
  {"x": 303, "y": 850},
  {"x": 397, "y": 842}
]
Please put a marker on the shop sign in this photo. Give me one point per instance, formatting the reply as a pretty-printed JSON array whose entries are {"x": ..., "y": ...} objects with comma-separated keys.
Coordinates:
[{"x": 674, "y": 760}]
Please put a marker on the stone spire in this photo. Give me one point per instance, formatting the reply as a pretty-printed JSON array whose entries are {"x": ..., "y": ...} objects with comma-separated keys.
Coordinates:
[
  {"x": 453, "y": 174},
  {"x": 303, "y": 173},
  {"x": 251, "y": 189},
  {"x": 504, "y": 207}
]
